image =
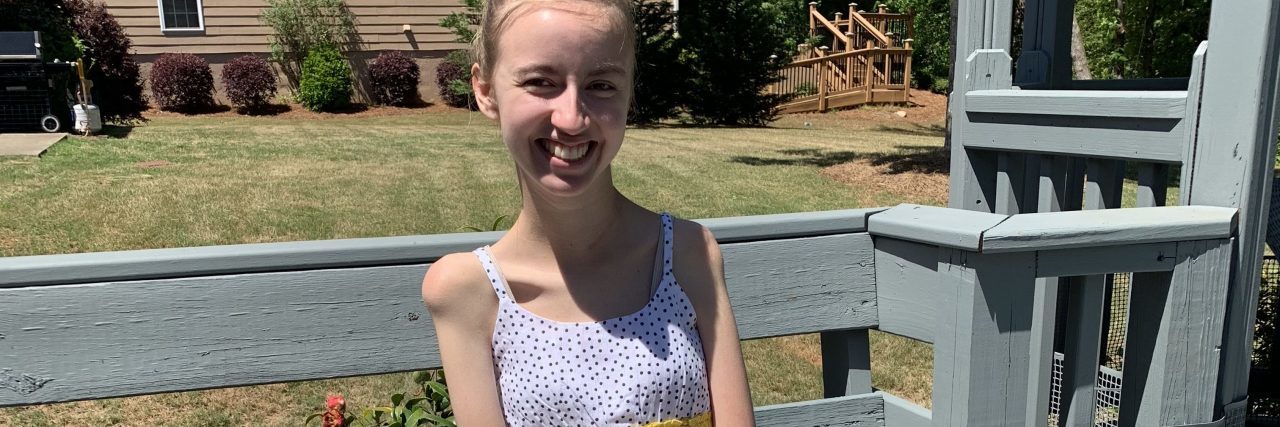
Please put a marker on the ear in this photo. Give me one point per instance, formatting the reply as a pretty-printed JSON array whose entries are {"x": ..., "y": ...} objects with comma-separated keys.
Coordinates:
[{"x": 483, "y": 91}]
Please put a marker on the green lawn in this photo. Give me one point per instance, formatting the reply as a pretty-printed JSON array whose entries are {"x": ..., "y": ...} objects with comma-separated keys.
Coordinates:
[{"x": 193, "y": 181}]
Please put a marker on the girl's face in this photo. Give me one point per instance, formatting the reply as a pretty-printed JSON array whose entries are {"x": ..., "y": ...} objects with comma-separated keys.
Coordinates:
[{"x": 560, "y": 89}]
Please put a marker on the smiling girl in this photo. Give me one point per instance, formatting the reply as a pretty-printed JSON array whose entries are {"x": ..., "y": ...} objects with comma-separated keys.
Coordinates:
[{"x": 591, "y": 310}]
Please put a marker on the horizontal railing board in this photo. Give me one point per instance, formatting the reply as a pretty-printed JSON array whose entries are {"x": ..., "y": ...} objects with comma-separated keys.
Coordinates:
[
  {"x": 1105, "y": 260},
  {"x": 762, "y": 227},
  {"x": 127, "y": 338},
  {"x": 899, "y": 412},
  {"x": 1139, "y": 104},
  {"x": 1154, "y": 140},
  {"x": 233, "y": 259},
  {"x": 98, "y": 340},
  {"x": 858, "y": 410},
  {"x": 291, "y": 256},
  {"x": 1090, "y": 228},
  {"x": 955, "y": 228},
  {"x": 802, "y": 285}
]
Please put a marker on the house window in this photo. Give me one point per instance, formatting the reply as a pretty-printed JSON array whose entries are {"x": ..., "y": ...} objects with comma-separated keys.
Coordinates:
[{"x": 181, "y": 15}]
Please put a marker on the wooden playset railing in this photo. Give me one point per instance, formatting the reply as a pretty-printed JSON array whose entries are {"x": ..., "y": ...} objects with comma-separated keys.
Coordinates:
[
  {"x": 869, "y": 60},
  {"x": 88, "y": 326}
]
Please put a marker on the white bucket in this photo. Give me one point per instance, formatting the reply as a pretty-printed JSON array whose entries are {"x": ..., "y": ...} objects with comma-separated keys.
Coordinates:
[{"x": 88, "y": 118}]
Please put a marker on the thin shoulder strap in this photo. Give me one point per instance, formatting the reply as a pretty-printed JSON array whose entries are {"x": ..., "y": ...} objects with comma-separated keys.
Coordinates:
[
  {"x": 667, "y": 233},
  {"x": 490, "y": 269}
]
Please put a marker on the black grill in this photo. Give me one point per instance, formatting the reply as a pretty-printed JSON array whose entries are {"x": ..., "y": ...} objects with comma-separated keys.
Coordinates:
[{"x": 24, "y": 84}]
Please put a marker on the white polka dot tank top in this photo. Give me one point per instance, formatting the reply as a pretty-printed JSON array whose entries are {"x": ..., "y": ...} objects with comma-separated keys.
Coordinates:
[{"x": 639, "y": 368}]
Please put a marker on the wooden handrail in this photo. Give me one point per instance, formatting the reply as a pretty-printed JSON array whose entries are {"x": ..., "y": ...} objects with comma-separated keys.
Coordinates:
[
  {"x": 866, "y": 25},
  {"x": 814, "y": 14},
  {"x": 842, "y": 55}
]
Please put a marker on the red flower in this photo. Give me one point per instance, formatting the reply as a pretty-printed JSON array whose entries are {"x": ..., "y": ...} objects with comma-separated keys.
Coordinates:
[{"x": 333, "y": 416}]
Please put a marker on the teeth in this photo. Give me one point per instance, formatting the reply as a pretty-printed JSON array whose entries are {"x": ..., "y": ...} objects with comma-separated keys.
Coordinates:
[{"x": 565, "y": 152}]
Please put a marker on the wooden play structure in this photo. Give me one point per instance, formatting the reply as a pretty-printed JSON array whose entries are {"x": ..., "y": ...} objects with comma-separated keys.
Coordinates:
[
  {"x": 1008, "y": 284},
  {"x": 868, "y": 60}
]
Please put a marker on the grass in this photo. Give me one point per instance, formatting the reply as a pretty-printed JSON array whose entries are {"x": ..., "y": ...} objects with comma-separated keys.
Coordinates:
[{"x": 198, "y": 181}]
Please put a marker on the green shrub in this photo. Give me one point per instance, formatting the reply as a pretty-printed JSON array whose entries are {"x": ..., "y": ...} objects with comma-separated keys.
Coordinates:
[
  {"x": 326, "y": 80},
  {"x": 453, "y": 76},
  {"x": 302, "y": 26}
]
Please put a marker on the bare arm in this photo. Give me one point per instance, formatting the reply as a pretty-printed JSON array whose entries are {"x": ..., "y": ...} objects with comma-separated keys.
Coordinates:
[
  {"x": 463, "y": 309},
  {"x": 702, "y": 277}
]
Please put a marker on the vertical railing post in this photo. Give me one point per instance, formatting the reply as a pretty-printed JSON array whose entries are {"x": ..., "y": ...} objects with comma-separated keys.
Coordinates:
[
  {"x": 906, "y": 70},
  {"x": 870, "y": 73},
  {"x": 846, "y": 363},
  {"x": 980, "y": 368},
  {"x": 813, "y": 23},
  {"x": 823, "y": 66},
  {"x": 853, "y": 9}
]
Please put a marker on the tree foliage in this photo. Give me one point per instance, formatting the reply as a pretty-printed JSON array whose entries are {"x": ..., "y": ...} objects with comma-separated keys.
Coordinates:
[
  {"x": 301, "y": 26},
  {"x": 1142, "y": 38},
  {"x": 731, "y": 52},
  {"x": 117, "y": 80},
  {"x": 453, "y": 75},
  {"x": 659, "y": 81}
]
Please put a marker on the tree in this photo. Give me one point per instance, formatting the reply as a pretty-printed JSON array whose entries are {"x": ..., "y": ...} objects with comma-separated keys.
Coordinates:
[
  {"x": 1120, "y": 37},
  {"x": 731, "y": 53}
]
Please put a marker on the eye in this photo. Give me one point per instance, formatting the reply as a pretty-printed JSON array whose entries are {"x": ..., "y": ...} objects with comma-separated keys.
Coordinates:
[
  {"x": 537, "y": 82},
  {"x": 602, "y": 87}
]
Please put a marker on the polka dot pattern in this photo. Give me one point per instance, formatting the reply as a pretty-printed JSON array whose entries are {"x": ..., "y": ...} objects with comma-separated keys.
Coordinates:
[{"x": 643, "y": 367}]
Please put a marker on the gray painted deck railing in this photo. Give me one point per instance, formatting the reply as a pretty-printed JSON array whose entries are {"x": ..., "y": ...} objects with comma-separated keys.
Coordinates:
[{"x": 87, "y": 326}]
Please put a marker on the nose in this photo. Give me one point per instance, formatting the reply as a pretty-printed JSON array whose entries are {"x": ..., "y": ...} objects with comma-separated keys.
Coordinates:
[{"x": 568, "y": 114}]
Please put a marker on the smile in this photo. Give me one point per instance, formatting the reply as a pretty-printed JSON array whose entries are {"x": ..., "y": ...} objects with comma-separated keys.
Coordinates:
[{"x": 565, "y": 152}]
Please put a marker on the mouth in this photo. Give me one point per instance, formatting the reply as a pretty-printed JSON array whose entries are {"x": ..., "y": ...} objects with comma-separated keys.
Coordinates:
[{"x": 566, "y": 152}]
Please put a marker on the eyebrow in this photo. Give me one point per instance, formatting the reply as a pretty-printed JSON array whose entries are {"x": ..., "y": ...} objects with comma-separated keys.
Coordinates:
[
  {"x": 607, "y": 68},
  {"x": 601, "y": 69}
]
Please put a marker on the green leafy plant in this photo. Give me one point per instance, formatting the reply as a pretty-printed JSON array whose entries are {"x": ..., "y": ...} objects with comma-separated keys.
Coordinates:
[
  {"x": 496, "y": 223},
  {"x": 326, "y": 80},
  {"x": 302, "y": 26},
  {"x": 806, "y": 89},
  {"x": 453, "y": 76},
  {"x": 429, "y": 405}
]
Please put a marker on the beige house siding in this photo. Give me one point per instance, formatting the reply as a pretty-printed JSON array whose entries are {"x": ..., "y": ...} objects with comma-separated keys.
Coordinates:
[{"x": 232, "y": 28}]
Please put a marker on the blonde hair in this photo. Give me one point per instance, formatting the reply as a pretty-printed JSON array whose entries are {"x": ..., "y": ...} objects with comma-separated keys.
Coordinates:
[{"x": 499, "y": 13}]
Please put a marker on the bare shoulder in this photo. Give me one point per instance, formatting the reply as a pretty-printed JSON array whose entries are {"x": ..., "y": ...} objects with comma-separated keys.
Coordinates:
[
  {"x": 456, "y": 286},
  {"x": 698, "y": 265}
]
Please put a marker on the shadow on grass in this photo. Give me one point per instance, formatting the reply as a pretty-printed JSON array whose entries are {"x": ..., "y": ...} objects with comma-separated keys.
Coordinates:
[
  {"x": 115, "y": 131},
  {"x": 906, "y": 158},
  {"x": 915, "y": 130}
]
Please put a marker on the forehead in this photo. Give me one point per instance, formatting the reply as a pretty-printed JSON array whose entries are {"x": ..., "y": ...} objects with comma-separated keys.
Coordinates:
[{"x": 562, "y": 35}]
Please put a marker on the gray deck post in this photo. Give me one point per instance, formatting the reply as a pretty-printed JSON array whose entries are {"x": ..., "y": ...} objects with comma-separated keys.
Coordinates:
[
  {"x": 1045, "y": 61},
  {"x": 977, "y": 22},
  {"x": 1234, "y": 157},
  {"x": 981, "y": 352},
  {"x": 846, "y": 363},
  {"x": 1171, "y": 354}
]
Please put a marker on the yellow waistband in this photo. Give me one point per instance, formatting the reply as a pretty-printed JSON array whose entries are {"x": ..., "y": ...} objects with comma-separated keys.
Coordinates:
[{"x": 700, "y": 420}]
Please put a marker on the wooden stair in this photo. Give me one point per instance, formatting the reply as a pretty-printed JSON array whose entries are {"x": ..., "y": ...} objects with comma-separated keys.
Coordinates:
[{"x": 869, "y": 62}]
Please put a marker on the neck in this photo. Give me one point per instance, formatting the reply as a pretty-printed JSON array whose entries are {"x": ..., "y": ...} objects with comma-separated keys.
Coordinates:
[{"x": 577, "y": 226}]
